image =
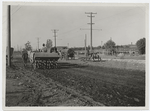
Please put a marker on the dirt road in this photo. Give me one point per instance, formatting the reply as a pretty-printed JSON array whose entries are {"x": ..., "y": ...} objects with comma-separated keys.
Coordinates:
[
  {"x": 26, "y": 87},
  {"x": 75, "y": 85}
]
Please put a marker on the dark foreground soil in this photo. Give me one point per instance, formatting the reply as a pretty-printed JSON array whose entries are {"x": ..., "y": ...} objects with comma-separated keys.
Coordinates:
[{"x": 74, "y": 85}]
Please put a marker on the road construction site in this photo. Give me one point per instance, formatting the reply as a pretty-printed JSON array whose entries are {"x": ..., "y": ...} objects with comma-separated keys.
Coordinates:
[{"x": 76, "y": 83}]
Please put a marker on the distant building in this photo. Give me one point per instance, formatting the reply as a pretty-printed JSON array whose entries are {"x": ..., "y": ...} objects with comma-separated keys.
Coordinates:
[
  {"x": 127, "y": 49},
  {"x": 62, "y": 48},
  {"x": 130, "y": 49}
]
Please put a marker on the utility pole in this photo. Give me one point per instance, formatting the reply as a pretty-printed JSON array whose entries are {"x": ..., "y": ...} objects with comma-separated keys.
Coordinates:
[
  {"x": 38, "y": 43},
  {"x": 9, "y": 36},
  {"x": 91, "y": 13},
  {"x": 55, "y": 31},
  {"x": 17, "y": 48},
  {"x": 85, "y": 46},
  {"x": 20, "y": 48}
]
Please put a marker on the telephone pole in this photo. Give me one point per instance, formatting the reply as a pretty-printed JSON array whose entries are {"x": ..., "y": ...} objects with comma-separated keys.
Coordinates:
[
  {"x": 17, "y": 48},
  {"x": 38, "y": 43},
  {"x": 85, "y": 45},
  {"x": 20, "y": 48},
  {"x": 55, "y": 31},
  {"x": 91, "y": 13},
  {"x": 9, "y": 36}
]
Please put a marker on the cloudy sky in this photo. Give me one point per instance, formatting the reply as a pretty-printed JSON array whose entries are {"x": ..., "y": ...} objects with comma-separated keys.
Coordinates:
[{"x": 123, "y": 23}]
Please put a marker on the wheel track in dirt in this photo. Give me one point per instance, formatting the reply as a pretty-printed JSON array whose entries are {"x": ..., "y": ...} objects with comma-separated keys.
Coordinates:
[
  {"x": 74, "y": 74},
  {"x": 29, "y": 73},
  {"x": 100, "y": 76},
  {"x": 73, "y": 79}
]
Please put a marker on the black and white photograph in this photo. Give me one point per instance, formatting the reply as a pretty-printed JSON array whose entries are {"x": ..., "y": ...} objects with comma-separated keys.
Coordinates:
[{"x": 75, "y": 55}]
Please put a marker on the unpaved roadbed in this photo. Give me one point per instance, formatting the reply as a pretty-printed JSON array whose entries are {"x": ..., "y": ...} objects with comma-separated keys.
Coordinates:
[
  {"x": 75, "y": 83},
  {"x": 128, "y": 64},
  {"x": 29, "y": 88}
]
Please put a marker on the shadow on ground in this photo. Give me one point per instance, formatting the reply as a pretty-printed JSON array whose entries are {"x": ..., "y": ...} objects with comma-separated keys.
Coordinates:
[{"x": 68, "y": 65}]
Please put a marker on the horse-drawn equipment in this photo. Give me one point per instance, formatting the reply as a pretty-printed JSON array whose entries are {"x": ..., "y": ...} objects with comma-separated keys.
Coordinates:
[
  {"x": 44, "y": 60},
  {"x": 93, "y": 57}
]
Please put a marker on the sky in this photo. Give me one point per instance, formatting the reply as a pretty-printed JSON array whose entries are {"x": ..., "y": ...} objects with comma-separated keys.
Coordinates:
[{"x": 123, "y": 24}]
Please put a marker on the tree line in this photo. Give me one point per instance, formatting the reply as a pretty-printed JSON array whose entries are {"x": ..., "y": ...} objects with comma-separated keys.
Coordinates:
[{"x": 109, "y": 45}]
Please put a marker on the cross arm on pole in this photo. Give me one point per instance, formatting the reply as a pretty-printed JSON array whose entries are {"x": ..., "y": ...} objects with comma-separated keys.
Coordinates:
[
  {"x": 92, "y": 29},
  {"x": 90, "y": 16},
  {"x": 90, "y": 13},
  {"x": 87, "y": 12}
]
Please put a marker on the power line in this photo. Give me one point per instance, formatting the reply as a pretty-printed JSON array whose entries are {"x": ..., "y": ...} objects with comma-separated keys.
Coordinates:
[
  {"x": 115, "y": 14},
  {"x": 98, "y": 20},
  {"x": 11, "y": 10},
  {"x": 77, "y": 28},
  {"x": 12, "y": 14}
]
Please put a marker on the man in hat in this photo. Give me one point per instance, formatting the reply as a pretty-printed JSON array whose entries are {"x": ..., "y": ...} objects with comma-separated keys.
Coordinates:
[{"x": 44, "y": 49}]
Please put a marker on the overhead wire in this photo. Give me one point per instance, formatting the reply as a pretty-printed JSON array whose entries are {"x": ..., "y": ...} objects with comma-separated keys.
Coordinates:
[
  {"x": 97, "y": 20},
  {"x": 77, "y": 28},
  {"x": 80, "y": 25},
  {"x": 12, "y": 14}
]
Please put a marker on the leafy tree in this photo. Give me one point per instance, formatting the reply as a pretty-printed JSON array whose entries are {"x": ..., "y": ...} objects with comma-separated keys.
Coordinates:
[
  {"x": 71, "y": 53},
  {"x": 141, "y": 45},
  {"x": 28, "y": 46},
  {"x": 110, "y": 46}
]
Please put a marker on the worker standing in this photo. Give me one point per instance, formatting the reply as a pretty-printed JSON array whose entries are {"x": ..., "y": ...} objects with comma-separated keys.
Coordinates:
[
  {"x": 24, "y": 57},
  {"x": 44, "y": 49}
]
